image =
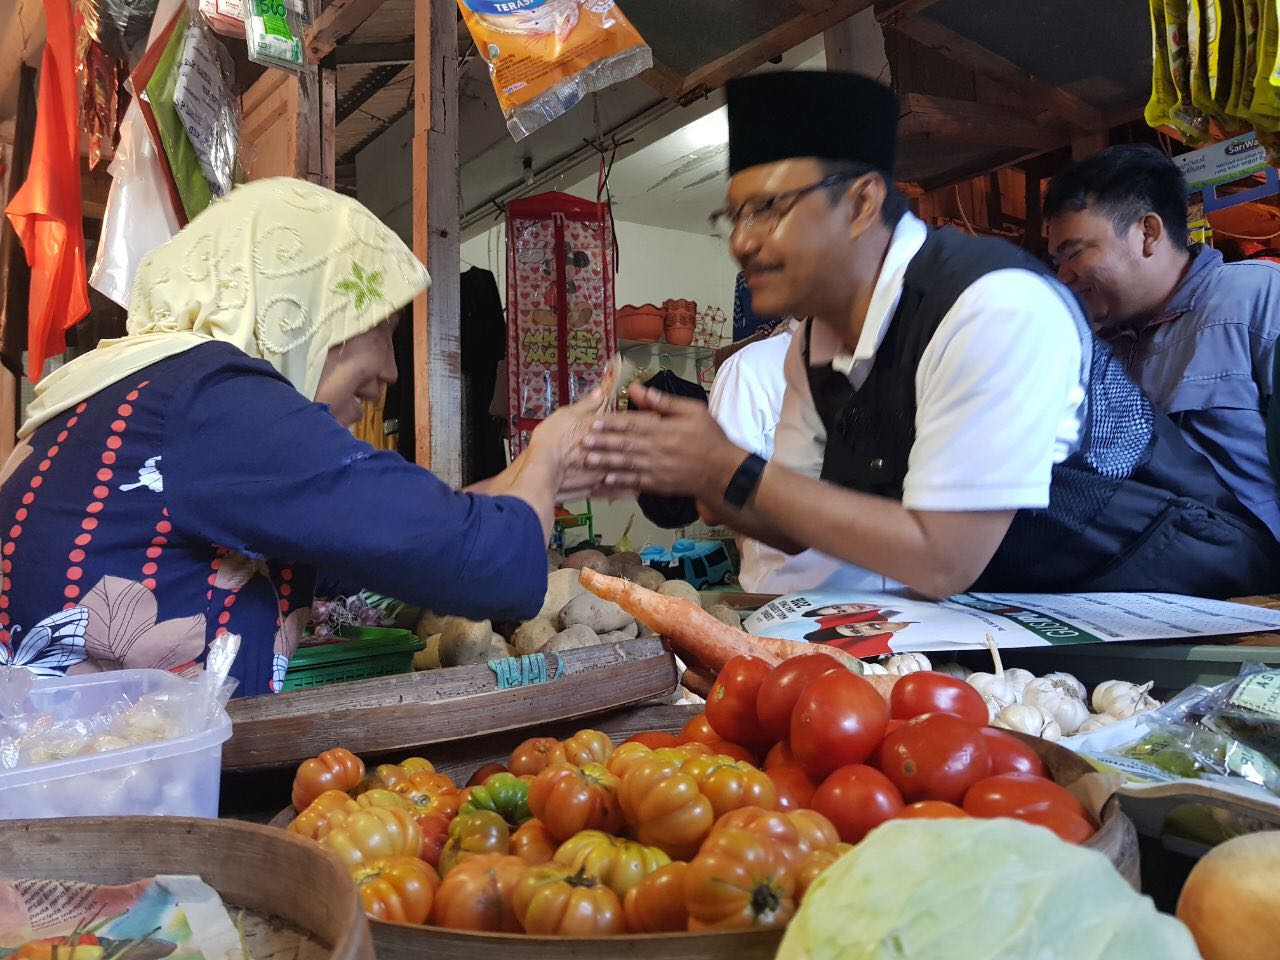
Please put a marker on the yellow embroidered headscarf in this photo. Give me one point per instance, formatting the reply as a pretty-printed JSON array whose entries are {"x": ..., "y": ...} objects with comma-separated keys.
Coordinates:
[{"x": 281, "y": 268}]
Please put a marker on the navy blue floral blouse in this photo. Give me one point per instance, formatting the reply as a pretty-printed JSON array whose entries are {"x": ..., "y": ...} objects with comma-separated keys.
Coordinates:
[{"x": 202, "y": 495}]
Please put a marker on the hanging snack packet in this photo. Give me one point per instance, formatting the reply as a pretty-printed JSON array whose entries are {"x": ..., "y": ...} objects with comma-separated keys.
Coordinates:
[
  {"x": 1163, "y": 95},
  {"x": 224, "y": 16},
  {"x": 273, "y": 32},
  {"x": 206, "y": 105},
  {"x": 1189, "y": 121},
  {"x": 544, "y": 56}
]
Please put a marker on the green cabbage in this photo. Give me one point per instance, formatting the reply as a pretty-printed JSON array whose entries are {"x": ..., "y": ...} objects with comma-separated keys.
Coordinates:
[{"x": 977, "y": 890}]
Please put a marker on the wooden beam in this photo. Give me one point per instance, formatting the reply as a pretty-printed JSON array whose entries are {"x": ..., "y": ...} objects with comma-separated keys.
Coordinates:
[
  {"x": 814, "y": 6},
  {"x": 893, "y": 11},
  {"x": 436, "y": 235},
  {"x": 764, "y": 48},
  {"x": 1088, "y": 145},
  {"x": 374, "y": 53},
  {"x": 666, "y": 81},
  {"x": 961, "y": 121},
  {"x": 340, "y": 19},
  {"x": 963, "y": 51}
]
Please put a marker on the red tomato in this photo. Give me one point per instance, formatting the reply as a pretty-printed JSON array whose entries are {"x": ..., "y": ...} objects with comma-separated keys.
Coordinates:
[
  {"x": 857, "y": 799},
  {"x": 484, "y": 773},
  {"x": 731, "y": 705},
  {"x": 935, "y": 757},
  {"x": 735, "y": 750},
  {"x": 779, "y": 754},
  {"x": 926, "y": 692},
  {"x": 839, "y": 719},
  {"x": 1011, "y": 755},
  {"x": 795, "y": 787},
  {"x": 1019, "y": 794},
  {"x": 782, "y": 688},
  {"x": 654, "y": 740},
  {"x": 1068, "y": 826},
  {"x": 931, "y": 810},
  {"x": 697, "y": 730}
]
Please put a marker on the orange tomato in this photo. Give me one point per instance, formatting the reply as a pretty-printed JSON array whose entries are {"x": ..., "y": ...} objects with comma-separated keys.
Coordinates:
[
  {"x": 619, "y": 864},
  {"x": 698, "y": 730},
  {"x": 428, "y": 794},
  {"x": 476, "y": 895},
  {"x": 796, "y": 834},
  {"x": 741, "y": 882},
  {"x": 533, "y": 843},
  {"x": 569, "y": 799},
  {"x": 794, "y": 786},
  {"x": 336, "y": 769},
  {"x": 535, "y": 755},
  {"x": 397, "y": 889},
  {"x": 386, "y": 775},
  {"x": 588, "y": 746},
  {"x": 730, "y": 784},
  {"x": 557, "y": 901},
  {"x": 654, "y": 739},
  {"x": 780, "y": 753},
  {"x": 312, "y": 821},
  {"x": 627, "y": 756},
  {"x": 481, "y": 831},
  {"x": 656, "y": 903},
  {"x": 727, "y": 748},
  {"x": 665, "y": 807},
  {"x": 374, "y": 834},
  {"x": 382, "y": 798},
  {"x": 812, "y": 865}
]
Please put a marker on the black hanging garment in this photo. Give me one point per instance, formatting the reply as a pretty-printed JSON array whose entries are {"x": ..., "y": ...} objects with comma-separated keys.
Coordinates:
[
  {"x": 1134, "y": 508},
  {"x": 671, "y": 513},
  {"x": 483, "y": 343}
]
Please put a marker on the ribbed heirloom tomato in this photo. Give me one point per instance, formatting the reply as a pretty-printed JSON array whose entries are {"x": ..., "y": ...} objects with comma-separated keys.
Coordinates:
[
  {"x": 782, "y": 687},
  {"x": 477, "y": 894},
  {"x": 555, "y": 901},
  {"x": 568, "y": 799},
  {"x": 656, "y": 903},
  {"x": 935, "y": 757},
  {"x": 398, "y": 889},
  {"x": 429, "y": 794},
  {"x": 665, "y": 808},
  {"x": 471, "y": 834},
  {"x": 375, "y": 834},
  {"x": 653, "y": 739},
  {"x": 731, "y": 705},
  {"x": 730, "y": 784},
  {"x": 535, "y": 755},
  {"x": 312, "y": 821},
  {"x": 742, "y": 881},
  {"x": 839, "y": 719},
  {"x": 857, "y": 799},
  {"x": 619, "y": 864},
  {"x": 336, "y": 769},
  {"x": 533, "y": 843},
  {"x": 926, "y": 692},
  {"x": 796, "y": 834},
  {"x": 588, "y": 746}
]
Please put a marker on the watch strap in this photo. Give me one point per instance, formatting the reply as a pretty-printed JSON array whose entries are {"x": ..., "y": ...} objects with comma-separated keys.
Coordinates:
[{"x": 744, "y": 481}]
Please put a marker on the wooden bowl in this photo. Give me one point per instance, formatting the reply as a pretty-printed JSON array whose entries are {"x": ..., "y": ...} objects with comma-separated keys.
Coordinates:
[
  {"x": 299, "y": 900},
  {"x": 1116, "y": 839}
]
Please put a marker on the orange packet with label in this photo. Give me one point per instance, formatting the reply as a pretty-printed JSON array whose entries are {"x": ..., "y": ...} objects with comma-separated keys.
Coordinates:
[{"x": 544, "y": 56}]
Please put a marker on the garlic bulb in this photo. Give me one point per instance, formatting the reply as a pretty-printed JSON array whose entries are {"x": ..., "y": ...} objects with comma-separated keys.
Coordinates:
[
  {"x": 1096, "y": 721},
  {"x": 872, "y": 669},
  {"x": 1026, "y": 719},
  {"x": 900, "y": 664},
  {"x": 1069, "y": 684},
  {"x": 954, "y": 670},
  {"x": 1122, "y": 699},
  {"x": 1018, "y": 679},
  {"x": 1069, "y": 712},
  {"x": 996, "y": 691}
]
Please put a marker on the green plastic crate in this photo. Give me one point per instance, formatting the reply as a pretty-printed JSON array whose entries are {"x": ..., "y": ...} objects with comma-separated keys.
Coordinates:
[{"x": 362, "y": 653}]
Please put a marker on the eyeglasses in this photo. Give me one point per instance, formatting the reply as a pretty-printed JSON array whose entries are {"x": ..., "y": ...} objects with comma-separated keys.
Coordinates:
[{"x": 766, "y": 213}]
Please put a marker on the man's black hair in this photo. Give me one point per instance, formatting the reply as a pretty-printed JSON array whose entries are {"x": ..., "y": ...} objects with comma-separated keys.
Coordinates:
[
  {"x": 895, "y": 203},
  {"x": 1124, "y": 183}
]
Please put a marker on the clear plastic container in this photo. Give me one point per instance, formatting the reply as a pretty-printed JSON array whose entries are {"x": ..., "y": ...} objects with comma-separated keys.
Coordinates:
[{"x": 178, "y": 777}]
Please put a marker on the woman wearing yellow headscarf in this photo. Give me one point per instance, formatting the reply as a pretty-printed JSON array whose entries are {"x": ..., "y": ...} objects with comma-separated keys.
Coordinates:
[{"x": 192, "y": 477}]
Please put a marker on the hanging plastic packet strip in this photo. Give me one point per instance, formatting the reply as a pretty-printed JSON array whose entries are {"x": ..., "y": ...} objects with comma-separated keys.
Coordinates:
[
  {"x": 224, "y": 16},
  {"x": 544, "y": 56},
  {"x": 273, "y": 32},
  {"x": 206, "y": 105}
]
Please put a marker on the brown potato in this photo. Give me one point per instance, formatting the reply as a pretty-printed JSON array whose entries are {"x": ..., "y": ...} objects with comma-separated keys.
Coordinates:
[{"x": 589, "y": 559}]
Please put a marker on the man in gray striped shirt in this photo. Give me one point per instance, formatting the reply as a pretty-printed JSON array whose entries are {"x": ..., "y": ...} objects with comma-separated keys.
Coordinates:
[{"x": 1197, "y": 334}]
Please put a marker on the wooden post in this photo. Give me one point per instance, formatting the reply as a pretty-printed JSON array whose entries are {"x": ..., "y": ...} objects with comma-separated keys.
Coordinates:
[
  {"x": 1087, "y": 145},
  {"x": 437, "y": 366}
]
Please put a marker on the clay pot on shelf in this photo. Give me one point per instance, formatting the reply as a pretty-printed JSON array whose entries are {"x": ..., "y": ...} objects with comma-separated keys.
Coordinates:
[
  {"x": 681, "y": 322},
  {"x": 640, "y": 323}
]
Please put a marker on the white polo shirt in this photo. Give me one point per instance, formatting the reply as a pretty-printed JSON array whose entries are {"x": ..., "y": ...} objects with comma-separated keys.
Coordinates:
[
  {"x": 999, "y": 389},
  {"x": 747, "y": 402}
]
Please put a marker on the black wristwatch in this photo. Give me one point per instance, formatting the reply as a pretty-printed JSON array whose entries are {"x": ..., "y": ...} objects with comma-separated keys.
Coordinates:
[{"x": 744, "y": 482}]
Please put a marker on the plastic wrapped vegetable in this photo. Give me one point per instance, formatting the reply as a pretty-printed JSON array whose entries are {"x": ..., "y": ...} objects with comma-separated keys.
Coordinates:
[{"x": 977, "y": 890}]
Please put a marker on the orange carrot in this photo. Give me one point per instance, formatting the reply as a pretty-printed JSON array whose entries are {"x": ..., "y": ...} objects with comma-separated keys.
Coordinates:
[{"x": 694, "y": 632}]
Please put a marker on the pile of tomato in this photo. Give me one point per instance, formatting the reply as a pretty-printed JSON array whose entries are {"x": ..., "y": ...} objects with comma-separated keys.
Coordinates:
[{"x": 724, "y": 826}]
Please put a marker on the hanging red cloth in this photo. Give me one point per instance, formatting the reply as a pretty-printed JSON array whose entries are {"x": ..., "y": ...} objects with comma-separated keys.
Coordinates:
[{"x": 46, "y": 212}]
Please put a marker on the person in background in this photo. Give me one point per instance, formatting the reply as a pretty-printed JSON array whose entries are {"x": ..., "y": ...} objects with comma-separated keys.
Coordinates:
[
  {"x": 1197, "y": 334},
  {"x": 746, "y": 400},
  {"x": 196, "y": 476},
  {"x": 950, "y": 421}
]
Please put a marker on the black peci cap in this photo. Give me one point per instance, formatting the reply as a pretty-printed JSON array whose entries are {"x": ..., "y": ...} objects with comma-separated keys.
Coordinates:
[{"x": 809, "y": 113}]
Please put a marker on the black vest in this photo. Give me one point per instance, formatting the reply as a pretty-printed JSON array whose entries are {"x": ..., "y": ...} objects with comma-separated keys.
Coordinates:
[{"x": 1134, "y": 508}]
